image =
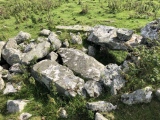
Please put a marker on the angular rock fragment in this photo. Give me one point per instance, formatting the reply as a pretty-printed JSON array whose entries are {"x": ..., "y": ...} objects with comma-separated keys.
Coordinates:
[
  {"x": 25, "y": 116},
  {"x": 2, "y": 43},
  {"x": 124, "y": 34},
  {"x": 138, "y": 96},
  {"x": 52, "y": 74},
  {"x": 9, "y": 89},
  {"x": 2, "y": 84},
  {"x": 101, "y": 106},
  {"x": 82, "y": 64},
  {"x": 76, "y": 39},
  {"x": 56, "y": 43},
  {"x": 52, "y": 56},
  {"x": 22, "y": 36},
  {"x": 16, "y": 68},
  {"x": 45, "y": 32},
  {"x": 62, "y": 113},
  {"x": 112, "y": 78},
  {"x": 93, "y": 88}
]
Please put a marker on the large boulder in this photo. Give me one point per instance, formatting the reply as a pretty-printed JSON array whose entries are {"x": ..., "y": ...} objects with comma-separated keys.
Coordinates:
[
  {"x": 22, "y": 36},
  {"x": 93, "y": 88},
  {"x": 53, "y": 39},
  {"x": 11, "y": 53},
  {"x": 101, "y": 106},
  {"x": 40, "y": 51},
  {"x": 113, "y": 38},
  {"x": 53, "y": 74},
  {"x": 151, "y": 30},
  {"x": 14, "y": 106},
  {"x": 113, "y": 78},
  {"x": 138, "y": 96},
  {"x": 82, "y": 64},
  {"x": 98, "y": 116}
]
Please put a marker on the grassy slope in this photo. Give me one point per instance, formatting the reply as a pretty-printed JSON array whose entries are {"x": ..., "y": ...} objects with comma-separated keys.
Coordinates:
[{"x": 45, "y": 104}]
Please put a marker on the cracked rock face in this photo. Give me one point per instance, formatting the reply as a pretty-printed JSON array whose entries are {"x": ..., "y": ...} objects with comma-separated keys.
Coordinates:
[
  {"x": 113, "y": 78},
  {"x": 101, "y": 106},
  {"x": 51, "y": 74},
  {"x": 151, "y": 30},
  {"x": 138, "y": 96},
  {"x": 82, "y": 64}
]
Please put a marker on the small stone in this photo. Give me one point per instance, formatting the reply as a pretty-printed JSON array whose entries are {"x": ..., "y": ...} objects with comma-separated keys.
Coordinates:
[
  {"x": 52, "y": 56},
  {"x": 45, "y": 32},
  {"x": 2, "y": 84},
  {"x": 98, "y": 116},
  {"x": 76, "y": 39},
  {"x": 22, "y": 36},
  {"x": 25, "y": 116},
  {"x": 66, "y": 43},
  {"x": 62, "y": 113},
  {"x": 16, "y": 68},
  {"x": 9, "y": 89},
  {"x": 15, "y": 105},
  {"x": 101, "y": 106}
]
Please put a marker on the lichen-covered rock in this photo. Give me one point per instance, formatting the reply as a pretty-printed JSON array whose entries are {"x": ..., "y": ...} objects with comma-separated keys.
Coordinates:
[
  {"x": 98, "y": 116},
  {"x": 151, "y": 30},
  {"x": 138, "y": 96},
  {"x": 124, "y": 34},
  {"x": 9, "y": 89},
  {"x": 11, "y": 53},
  {"x": 93, "y": 88},
  {"x": 14, "y": 106},
  {"x": 22, "y": 36},
  {"x": 112, "y": 78},
  {"x": 81, "y": 63},
  {"x": 52, "y": 56},
  {"x": 101, "y": 106},
  {"x": 40, "y": 51},
  {"x": 56, "y": 43},
  {"x": 53, "y": 74},
  {"x": 45, "y": 32},
  {"x": 2, "y": 84},
  {"x": 25, "y": 116},
  {"x": 76, "y": 39}
]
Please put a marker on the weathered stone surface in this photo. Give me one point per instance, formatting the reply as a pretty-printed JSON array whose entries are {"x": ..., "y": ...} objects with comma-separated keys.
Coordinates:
[
  {"x": 11, "y": 53},
  {"x": 112, "y": 78},
  {"x": 101, "y": 106},
  {"x": 56, "y": 43},
  {"x": 15, "y": 105},
  {"x": 22, "y": 36},
  {"x": 51, "y": 74},
  {"x": 138, "y": 96},
  {"x": 2, "y": 84},
  {"x": 91, "y": 51},
  {"x": 16, "y": 68},
  {"x": 45, "y": 32},
  {"x": 158, "y": 93},
  {"x": 9, "y": 89},
  {"x": 2, "y": 43},
  {"x": 93, "y": 88},
  {"x": 40, "y": 51},
  {"x": 76, "y": 39},
  {"x": 107, "y": 36},
  {"x": 82, "y": 64},
  {"x": 52, "y": 56},
  {"x": 62, "y": 113},
  {"x": 29, "y": 47},
  {"x": 25, "y": 116},
  {"x": 98, "y": 116},
  {"x": 124, "y": 34},
  {"x": 75, "y": 28},
  {"x": 151, "y": 30}
]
